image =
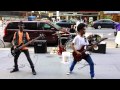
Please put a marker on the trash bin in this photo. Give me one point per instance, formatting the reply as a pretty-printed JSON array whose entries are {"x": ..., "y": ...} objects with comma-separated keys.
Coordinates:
[
  {"x": 65, "y": 57},
  {"x": 40, "y": 46}
]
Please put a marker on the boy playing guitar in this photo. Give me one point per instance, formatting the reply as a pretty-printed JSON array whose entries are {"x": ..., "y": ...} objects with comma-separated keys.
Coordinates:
[{"x": 78, "y": 45}]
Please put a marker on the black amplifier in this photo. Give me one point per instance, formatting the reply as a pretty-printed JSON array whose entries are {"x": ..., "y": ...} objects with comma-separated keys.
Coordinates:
[{"x": 40, "y": 46}]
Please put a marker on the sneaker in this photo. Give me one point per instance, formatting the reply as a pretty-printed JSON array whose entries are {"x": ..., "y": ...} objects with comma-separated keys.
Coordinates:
[
  {"x": 116, "y": 46},
  {"x": 33, "y": 72},
  {"x": 93, "y": 78},
  {"x": 14, "y": 70},
  {"x": 68, "y": 73}
]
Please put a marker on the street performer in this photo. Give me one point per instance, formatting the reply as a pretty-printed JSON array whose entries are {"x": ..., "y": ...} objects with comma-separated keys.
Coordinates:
[
  {"x": 21, "y": 37},
  {"x": 77, "y": 44}
]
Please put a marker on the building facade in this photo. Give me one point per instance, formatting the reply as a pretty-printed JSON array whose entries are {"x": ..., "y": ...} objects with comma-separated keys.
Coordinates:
[
  {"x": 75, "y": 15},
  {"x": 9, "y": 15},
  {"x": 114, "y": 15},
  {"x": 12, "y": 15}
]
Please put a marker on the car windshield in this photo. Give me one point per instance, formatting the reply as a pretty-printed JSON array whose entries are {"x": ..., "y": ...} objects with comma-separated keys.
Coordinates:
[{"x": 56, "y": 26}]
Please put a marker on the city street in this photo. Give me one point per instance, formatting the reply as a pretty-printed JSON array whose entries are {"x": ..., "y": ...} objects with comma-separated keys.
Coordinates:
[{"x": 50, "y": 66}]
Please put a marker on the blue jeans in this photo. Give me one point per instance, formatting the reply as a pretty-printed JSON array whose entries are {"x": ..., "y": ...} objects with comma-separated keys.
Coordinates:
[{"x": 90, "y": 62}]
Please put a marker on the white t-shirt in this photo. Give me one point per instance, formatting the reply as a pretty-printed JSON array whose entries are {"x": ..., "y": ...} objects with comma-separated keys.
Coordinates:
[
  {"x": 77, "y": 23},
  {"x": 79, "y": 42}
]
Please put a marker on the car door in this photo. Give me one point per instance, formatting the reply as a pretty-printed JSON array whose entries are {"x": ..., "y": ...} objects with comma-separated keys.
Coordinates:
[
  {"x": 100, "y": 23},
  {"x": 108, "y": 23},
  {"x": 48, "y": 31},
  {"x": 10, "y": 29},
  {"x": 111, "y": 24},
  {"x": 104, "y": 24},
  {"x": 31, "y": 28}
]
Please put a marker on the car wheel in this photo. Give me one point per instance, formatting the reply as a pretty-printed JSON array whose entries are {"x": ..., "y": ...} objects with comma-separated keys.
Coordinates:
[{"x": 99, "y": 27}]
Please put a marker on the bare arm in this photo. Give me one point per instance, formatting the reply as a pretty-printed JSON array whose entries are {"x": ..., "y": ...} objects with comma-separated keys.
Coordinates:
[
  {"x": 28, "y": 37},
  {"x": 14, "y": 39}
]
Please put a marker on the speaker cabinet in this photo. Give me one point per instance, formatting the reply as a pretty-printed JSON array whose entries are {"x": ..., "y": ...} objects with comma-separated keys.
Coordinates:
[{"x": 40, "y": 46}]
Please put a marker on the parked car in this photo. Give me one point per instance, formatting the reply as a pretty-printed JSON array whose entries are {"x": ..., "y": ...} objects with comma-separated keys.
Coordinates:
[
  {"x": 34, "y": 28},
  {"x": 104, "y": 23},
  {"x": 65, "y": 23}
]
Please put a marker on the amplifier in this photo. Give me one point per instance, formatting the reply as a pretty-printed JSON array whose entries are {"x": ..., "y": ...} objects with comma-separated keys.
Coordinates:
[
  {"x": 101, "y": 49},
  {"x": 40, "y": 46}
]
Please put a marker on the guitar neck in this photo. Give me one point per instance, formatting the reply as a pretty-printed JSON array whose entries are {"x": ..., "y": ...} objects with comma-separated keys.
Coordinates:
[
  {"x": 26, "y": 44},
  {"x": 87, "y": 49},
  {"x": 93, "y": 45}
]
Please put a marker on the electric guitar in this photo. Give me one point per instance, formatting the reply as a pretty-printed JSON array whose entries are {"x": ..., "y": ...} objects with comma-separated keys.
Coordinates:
[
  {"x": 61, "y": 48},
  {"x": 78, "y": 57},
  {"x": 19, "y": 47}
]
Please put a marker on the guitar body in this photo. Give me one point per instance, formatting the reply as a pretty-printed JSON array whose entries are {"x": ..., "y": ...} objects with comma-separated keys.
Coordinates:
[
  {"x": 82, "y": 51},
  {"x": 19, "y": 47},
  {"x": 79, "y": 57},
  {"x": 61, "y": 49},
  {"x": 15, "y": 51}
]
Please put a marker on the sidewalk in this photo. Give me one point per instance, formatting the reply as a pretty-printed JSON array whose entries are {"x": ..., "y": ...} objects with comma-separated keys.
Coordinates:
[{"x": 48, "y": 66}]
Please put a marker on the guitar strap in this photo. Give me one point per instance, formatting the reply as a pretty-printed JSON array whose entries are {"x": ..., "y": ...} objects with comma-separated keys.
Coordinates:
[
  {"x": 86, "y": 46},
  {"x": 85, "y": 41},
  {"x": 24, "y": 38}
]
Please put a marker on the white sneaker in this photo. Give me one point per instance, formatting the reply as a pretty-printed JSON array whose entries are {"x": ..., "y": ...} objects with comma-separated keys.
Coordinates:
[
  {"x": 93, "y": 78},
  {"x": 68, "y": 73}
]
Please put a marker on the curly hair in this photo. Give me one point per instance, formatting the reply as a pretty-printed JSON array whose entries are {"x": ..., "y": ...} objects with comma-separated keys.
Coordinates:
[{"x": 80, "y": 27}]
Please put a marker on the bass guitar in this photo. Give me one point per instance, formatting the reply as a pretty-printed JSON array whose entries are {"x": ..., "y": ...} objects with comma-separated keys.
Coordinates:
[
  {"x": 79, "y": 57},
  {"x": 19, "y": 47}
]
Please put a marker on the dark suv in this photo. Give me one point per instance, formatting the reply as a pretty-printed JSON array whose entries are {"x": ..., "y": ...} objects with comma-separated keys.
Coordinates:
[{"x": 34, "y": 28}]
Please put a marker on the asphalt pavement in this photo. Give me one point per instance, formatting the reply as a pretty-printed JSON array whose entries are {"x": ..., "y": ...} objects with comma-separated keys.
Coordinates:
[{"x": 51, "y": 66}]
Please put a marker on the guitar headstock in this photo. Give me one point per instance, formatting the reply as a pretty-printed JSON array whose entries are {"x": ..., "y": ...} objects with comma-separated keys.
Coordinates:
[{"x": 102, "y": 39}]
